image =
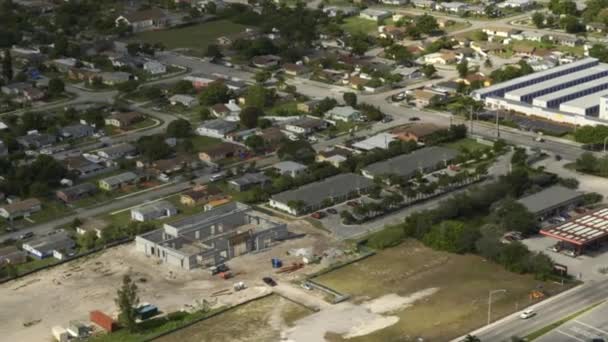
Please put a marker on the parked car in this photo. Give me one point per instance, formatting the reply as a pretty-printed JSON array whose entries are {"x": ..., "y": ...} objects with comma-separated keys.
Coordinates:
[
  {"x": 414, "y": 118},
  {"x": 353, "y": 203},
  {"x": 269, "y": 281},
  {"x": 318, "y": 215},
  {"x": 306, "y": 286},
  {"x": 387, "y": 118},
  {"x": 218, "y": 269},
  {"x": 332, "y": 211},
  {"x": 527, "y": 314},
  {"x": 26, "y": 236},
  {"x": 558, "y": 157}
]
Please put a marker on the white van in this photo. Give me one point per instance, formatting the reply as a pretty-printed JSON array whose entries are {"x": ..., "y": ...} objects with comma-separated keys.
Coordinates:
[{"x": 218, "y": 176}]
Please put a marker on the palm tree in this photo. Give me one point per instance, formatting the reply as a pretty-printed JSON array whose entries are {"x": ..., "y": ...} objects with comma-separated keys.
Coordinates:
[
  {"x": 471, "y": 338},
  {"x": 296, "y": 205}
]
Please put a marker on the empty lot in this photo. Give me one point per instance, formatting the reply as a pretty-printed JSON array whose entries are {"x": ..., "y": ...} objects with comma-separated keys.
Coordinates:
[{"x": 458, "y": 304}]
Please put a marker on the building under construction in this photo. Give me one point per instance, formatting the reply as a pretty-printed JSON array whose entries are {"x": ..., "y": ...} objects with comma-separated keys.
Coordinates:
[{"x": 211, "y": 237}]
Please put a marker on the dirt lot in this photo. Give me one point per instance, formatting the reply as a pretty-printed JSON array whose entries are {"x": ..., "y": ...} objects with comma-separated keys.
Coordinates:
[
  {"x": 70, "y": 291},
  {"x": 443, "y": 295},
  {"x": 261, "y": 320}
]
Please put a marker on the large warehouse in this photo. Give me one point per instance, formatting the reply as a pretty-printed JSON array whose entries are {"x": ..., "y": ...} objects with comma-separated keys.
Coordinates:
[{"x": 571, "y": 93}]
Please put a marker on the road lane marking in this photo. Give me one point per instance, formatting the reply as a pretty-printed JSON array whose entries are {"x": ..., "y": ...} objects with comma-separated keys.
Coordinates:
[
  {"x": 592, "y": 327},
  {"x": 574, "y": 337}
]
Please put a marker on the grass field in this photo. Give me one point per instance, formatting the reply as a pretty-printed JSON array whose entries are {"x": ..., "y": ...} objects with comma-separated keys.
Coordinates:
[
  {"x": 458, "y": 306},
  {"x": 261, "y": 320},
  {"x": 195, "y": 37},
  {"x": 355, "y": 25},
  {"x": 469, "y": 144}
]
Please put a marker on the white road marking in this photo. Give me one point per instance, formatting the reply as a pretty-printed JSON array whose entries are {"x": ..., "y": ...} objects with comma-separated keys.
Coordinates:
[
  {"x": 592, "y": 327},
  {"x": 563, "y": 333}
]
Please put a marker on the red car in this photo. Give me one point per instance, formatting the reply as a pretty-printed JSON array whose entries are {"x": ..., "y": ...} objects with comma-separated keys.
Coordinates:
[
  {"x": 318, "y": 215},
  {"x": 353, "y": 203}
]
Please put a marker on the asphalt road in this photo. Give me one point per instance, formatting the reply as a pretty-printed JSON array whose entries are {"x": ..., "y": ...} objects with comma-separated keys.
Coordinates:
[
  {"x": 548, "y": 311},
  {"x": 590, "y": 325}
]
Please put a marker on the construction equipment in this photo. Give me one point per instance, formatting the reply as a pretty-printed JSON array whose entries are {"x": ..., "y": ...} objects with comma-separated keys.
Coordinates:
[
  {"x": 225, "y": 275},
  {"x": 239, "y": 286},
  {"x": 537, "y": 295},
  {"x": 292, "y": 268}
]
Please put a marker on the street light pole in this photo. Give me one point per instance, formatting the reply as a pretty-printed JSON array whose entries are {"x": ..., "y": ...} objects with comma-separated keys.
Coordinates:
[{"x": 490, "y": 302}]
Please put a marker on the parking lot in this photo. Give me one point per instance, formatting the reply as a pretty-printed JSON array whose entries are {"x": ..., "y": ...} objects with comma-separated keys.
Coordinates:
[{"x": 587, "y": 327}]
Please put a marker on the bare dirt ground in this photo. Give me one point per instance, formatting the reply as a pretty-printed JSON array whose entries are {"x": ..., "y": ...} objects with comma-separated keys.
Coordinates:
[{"x": 70, "y": 291}]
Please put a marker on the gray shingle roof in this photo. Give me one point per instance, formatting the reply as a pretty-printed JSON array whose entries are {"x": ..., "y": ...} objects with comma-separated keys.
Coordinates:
[
  {"x": 315, "y": 193},
  {"x": 549, "y": 198},
  {"x": 407, "y": 164}
]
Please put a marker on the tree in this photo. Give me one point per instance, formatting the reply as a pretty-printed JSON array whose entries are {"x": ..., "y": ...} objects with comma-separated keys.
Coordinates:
[
  {"x": 350, "y": 99},
  {"x": 587, "y": 162},
  {"x": 183, "y": 87},
  {"x": 7, "y": 65},
  {"x": 249, "y": 116},
  {"x": 205, "y": 114},
  {"x": 56, "y": 87},
  {"x": 255, "y": 143},
  {"x": 262, "y": 76},
  {"x": 471, "y": 338},
  {"x": 488, "y": 63},
  {"x": 179, "y": 128},
  {"x": 399, "y": 53},
  {"x": 512, "y": 215},
  {"x": 297, "y": 206},
  {"x": 463, "y": 68},
  {"x": 88, "y": 240},
  {"x": 214, "y": 93},
  {"x": 153, "y": 147},
  {"x": 299, "y": 151},
  {"x": 127, "y": 300},
  {"x": 429, "y": 70},
  {"x": 426, "y": 24},
  {"x": 571, "y": 24},
  {"x": 538, "y": 19},
  {"x": 258, "y": 96}
]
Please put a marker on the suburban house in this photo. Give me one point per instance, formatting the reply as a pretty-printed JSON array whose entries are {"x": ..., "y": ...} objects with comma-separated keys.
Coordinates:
[
  {"x": 308, "y": 106},
  {"x": 424, "y": 4},
  {"x": 516, "y": 4},
  {"x": 242, "y": 135},
  {"x": 423, "y": 97},
  {"x": 335, "y": 156},
  {"x": 94, "y": 225},
  {"x": 117, "y": 151},
  {"x": 200, "y": 195},
  {"x": 266, "y": 61},
  {"x": 415, "y": 132},
  {"x": 144, "y": 20},
  {"x": 596, "y": 27},
  {"x": 124, "y": 119},
  {"x": 76, "y": 131},
  {"x": 119, "y": 181},
  {"x": 49, "y": 245},
  {"x": 76, "y": 192},
  {"x": 20, "y": 209},
  {"x": 200, "y": 81},
  {"x": 184, "y": 100},
  {"x": 154, "y": 67},
  {"x": 248, "y": 181},
  {"x": 290, "y": 168},
  {"x": 112, "y": 78},
  {"x": 221, "y": 151},
  {"x": 83, "y": 167},
  {"x": 228, "y": 111},
  {"x": 374, "y": 14},
  {"x": 346, "y": 114},
  {"x": 503, "y": 32},
  {"x": 216, "y": 128},
  {"x": 211, "y": 237},
  {"x": 272, "y": 136},
  {"x": 36, "y": 140},
  {"x": 293, "y": 69},
  {"x": 305, "y": 125},
  {"x": 454, "y": 7},
  {"x": 407, "y": 165},
  {"x": 315, "y": 196},
  {"x": 156, "y": 210}
]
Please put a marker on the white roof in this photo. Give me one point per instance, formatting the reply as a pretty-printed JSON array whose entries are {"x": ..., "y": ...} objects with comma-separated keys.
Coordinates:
[
  {"x": 581, "y": 230},
  {"x": 381, "y": 140},
  {"x": 543, "y": 100},
  {"x": 584, "y": 102},
  {"x": 345, "y": 111},
  {"x": 375, "y": 12}
]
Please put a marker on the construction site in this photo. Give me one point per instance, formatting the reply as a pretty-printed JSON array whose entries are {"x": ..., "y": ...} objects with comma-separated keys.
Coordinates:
[{"x": 69, "y": 292}]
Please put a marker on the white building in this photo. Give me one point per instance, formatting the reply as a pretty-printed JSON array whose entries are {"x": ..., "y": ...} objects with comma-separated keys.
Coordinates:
[
  {"x": 155, "y": 67},
  {"x": 184, "y": 100},
  {"x": 157, "y": 210},
  {"x": 346, "y": 114},
  {"x": 517, "y": 4},
  {"x": 376, "y": 15}
]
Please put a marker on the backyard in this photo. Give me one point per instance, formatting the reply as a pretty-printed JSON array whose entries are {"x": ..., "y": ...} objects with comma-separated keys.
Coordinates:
[
  {"x": 260, "y": 320},
  {"x": 195, "y": 37},
  {"x": 457, "y": 288},
  {"x": 355, "y": 25}
]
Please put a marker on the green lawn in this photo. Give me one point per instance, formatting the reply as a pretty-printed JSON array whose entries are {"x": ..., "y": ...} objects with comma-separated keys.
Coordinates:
[
  {"x": 284, "y": 108},
  {"x": 355, "y": 25},
  {"x": 34, "y": 264},
  {"x": 195, "y": 37},
  {"x": 468, "y": 143},
  {"x": 462, "y": 284},
  {"x": 201, "y": 142}
]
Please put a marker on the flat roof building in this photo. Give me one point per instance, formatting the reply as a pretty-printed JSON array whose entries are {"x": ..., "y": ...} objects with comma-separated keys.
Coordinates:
[
  {"x": 406, "y": 165},
  {"x": 211, "y": 237},
  {"x": 551, "y": 200},
  {"x": 554, "y": 99},
  {"x": 312, "y": 196},
  {"x": 581, "y": 231},
  {"x": 586, "y": 105},
  {"x": 500, "y": 89},
  {"x": 528, "y": 93}
]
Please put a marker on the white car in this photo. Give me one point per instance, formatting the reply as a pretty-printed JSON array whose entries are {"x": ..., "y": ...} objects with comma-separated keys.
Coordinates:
[{"x": 527, "y": 314}]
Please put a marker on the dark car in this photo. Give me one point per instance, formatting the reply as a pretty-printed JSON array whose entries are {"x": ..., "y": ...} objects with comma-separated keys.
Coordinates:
[
  {"x": 353, "y": 203},
  {"x": 414, "y": 118},
  {"x": 26, "y": 236},
  {"x": 332, "y": 211},
  {"x": 269, "y": 281}
]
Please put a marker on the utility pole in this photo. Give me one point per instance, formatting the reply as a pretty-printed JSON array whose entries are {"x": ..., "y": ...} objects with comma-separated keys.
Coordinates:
[
  {"x": 497, "y": 126},
  {"x": 471, "y": 117}
]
